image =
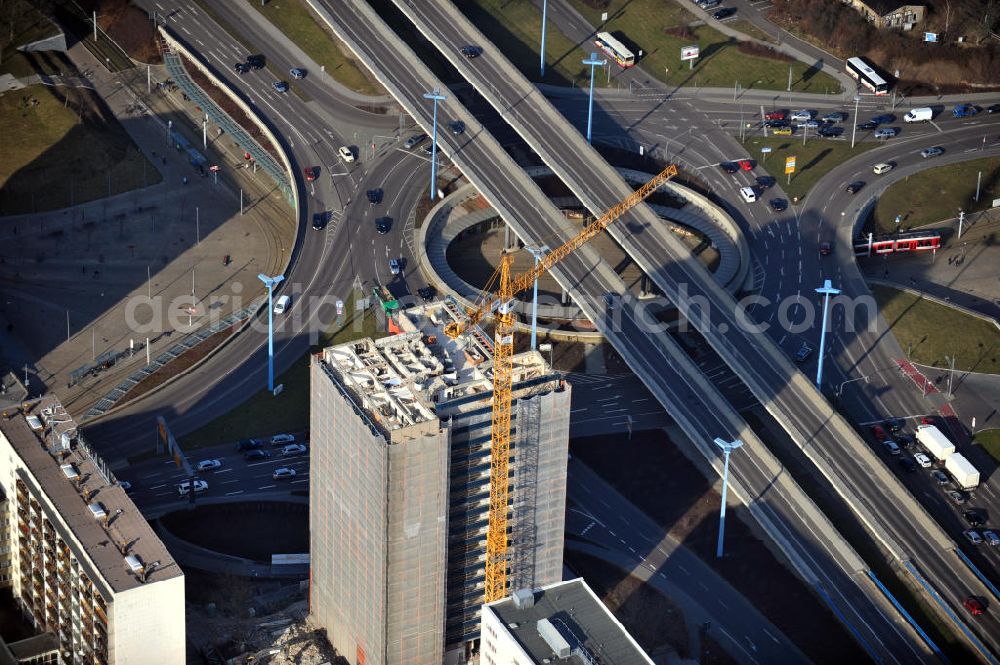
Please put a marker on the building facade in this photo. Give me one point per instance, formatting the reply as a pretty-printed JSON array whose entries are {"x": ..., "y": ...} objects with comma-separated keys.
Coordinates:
[
  {"x": 400, "y": 461},
  {"x": 557, "y": 623},
  {"x": 889, "y": 13},
  {"x": 81, "y": 561}
]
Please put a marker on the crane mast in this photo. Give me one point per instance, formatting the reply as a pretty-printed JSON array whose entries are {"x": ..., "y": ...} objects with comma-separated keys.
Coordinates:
[{"x": 503, "y": 368}]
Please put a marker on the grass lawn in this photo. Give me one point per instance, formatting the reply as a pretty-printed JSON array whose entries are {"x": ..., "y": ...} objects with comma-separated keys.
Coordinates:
[
  {"x": 517, "y": 26},
  {"x": 989, "y": 439},
  {"x": 644, "y": 25},
  {"x": 61, "y": 148},
  {"x": 937, "y": 194},
  {"x": 299, "y": 24},
  {"x": 263, "y": 414},
  {"x": 25, "y": 24},
  {"x": 930, "y": 328},
  {"x": 750, "y": 30},
  {"x": 812, "y": 161}
]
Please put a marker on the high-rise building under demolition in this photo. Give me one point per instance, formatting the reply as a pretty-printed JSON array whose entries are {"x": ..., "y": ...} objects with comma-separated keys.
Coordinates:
[{"x": 399, "y": 501}]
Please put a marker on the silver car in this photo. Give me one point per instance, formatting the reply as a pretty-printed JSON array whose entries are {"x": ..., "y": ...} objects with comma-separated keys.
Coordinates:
[{"x": 931, "y": 152}]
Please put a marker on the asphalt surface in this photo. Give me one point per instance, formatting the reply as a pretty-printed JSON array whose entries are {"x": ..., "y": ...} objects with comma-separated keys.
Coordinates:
[
  {"x": 694, "y": 402},
  {"x": 325, "y": 264},
  {"x": 817, "y": 430}
]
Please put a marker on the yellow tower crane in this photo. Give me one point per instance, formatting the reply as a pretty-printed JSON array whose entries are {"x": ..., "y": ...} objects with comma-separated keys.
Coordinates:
[{"x": 500, "y": 302}]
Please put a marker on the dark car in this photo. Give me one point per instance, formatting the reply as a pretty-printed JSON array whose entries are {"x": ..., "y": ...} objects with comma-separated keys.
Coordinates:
[
  {"x": 830, "y": 132},
  {"x": 725, "y": 12},
  {"x": 956, "y": 496},
  {"x": 255, "y": 455},
  {"x": 884, "y": 118},
  {"x": 247, "y": 444},
  {"x": 374, "y": 195},
  {"x": 932, "y": 152},
  {"x": 908, "y": 463},
  {"x": 427, "y": 293},
  {"x": 470, "y": 51},
  {"x": 940, "y": 477},
  {"x": 879, "y": 433},
  {"x": 905, "y": 441},
  {"x": 383, "y": 224},
  {"x": 774, "y": 124},
  {"x": 803, "y": 353},
  {"x": 241, "y": 67},
  {"x": 765, "y": 181},
  {"x": 855, "y": 187},
  {"x": 255, "y": 61},
  {"x": 974, "y": 517},
  {"x": 297, "y": 73},
  {"x": 456, "y": 126},
  {"x": 995, "y": 108},
  {"x": 895, "y": 424},
  {"x": 729, "y": 167},
  {"x": 778, "y": 205},
  {"x": 867, "y": 125},
  {"x": 319, "y": 221},
  {"x": 280, "y": 86}
]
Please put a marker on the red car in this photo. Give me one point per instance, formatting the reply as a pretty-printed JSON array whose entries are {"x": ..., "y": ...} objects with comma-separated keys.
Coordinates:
[
  {"x": 928, "y": 420},
  {"x": 775, "y": 115},
  {"x": 745, "y": 164},
  {"x": 312, "y": 172},
  {"x": 974, "y": 605},
  {"x": 825, "y": 249},
  {"x": 878, "y": 432}
]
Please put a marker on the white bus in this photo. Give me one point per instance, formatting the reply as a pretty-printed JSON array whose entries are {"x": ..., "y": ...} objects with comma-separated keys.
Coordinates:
[
  {"x": 615, "y": 49},
  {"x": 866, "y": 76}
]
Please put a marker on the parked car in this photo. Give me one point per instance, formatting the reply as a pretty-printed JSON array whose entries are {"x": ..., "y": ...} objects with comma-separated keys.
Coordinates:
[
  {"x": 778, "y": 205},
  {"x": 956, "y": 496},
  {"x": 974, "y": 606},
  {"x": 783, "y": 131},
  {"x": 414, "y": 141},
  {"x": 886, "y": 132},
  {"x": 255, "y": 455},
  {"x": 471, "y": 51},
  {"x": 776, "y": 123},
  {"x": 247, "y": 444},
  {"x": 293, "y": 449},
  {"x": 282, "y": 473},
  {"x": 884, "y": 167},
  {"x": 803, "y": 353},
  {"x": 855, "y": 187},
  {"x": 456, "y": 127},
  {"x": 940, "y": 477},
  {"x": 383, "y": 224},
  {"x": 809, "y": 124},
  {"x": 775, "y": 115},
  {"x": 297, "y": 73},
  {"x": 830, "y": 132},
  {"x": 864, "y": 126},
  {"x": 209, "y": 465},
  {"x": 836, "y": 116},
  {"x": 992, "y": 538},
  {"x": 280, "y": 86},
  {"x": 184, "y": 488},
  {"x": 282, "y": 439},
  {"x": 346, "y": 154},
  {"x": 427, "y": 293},
  {"x": 931, "y": 152},
  {"x": 709, "y": 4},
  {"x": 802, "y": 116},
  {"x": 974, "y": 517},
  {"x": 973, "y": 537},
  {"x": 725, "y": 12},
  {"x": 729, "y": 167},
  {"x": 923, "y": 460},
  {"x": 884, "y": 118},
  {"x": 394, "y": 266}
]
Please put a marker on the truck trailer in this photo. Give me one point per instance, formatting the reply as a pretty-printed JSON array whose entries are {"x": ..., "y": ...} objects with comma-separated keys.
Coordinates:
[
  {"x": 936, "y": 443},
  {"x": 966, "y": 476}
]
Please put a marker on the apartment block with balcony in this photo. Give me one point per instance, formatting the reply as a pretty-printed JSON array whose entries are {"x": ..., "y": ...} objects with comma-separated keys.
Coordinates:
[{"x": 85, "y": 566}]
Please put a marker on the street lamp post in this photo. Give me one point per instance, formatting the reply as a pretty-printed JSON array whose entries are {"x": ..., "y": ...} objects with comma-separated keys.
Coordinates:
[
  {"x": 270, "y": 283},
  {"x": 854, "y": 130},
  {"x": 545, "y": 13},
  {"x": 436, "y": 96},
  {"x": 727, "y": 447},
  {"x": 592, "y": 62},
  {"x": 826, "y": 291},
  {"x": 536, "y": 252}
]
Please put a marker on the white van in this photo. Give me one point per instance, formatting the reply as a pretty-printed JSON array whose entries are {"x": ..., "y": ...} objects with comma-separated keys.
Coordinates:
[
  {"x": 748, "y": 194},
  {"x": 879, "y": 169},
  {"x": 281, "y": 304}
]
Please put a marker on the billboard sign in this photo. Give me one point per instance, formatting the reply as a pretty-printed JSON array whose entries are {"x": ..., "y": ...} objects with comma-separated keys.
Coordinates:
[
  {"x": 930, "y": 36},
  {"x": 689, "y": 52},
  {"x": 790, "y": 165}
]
